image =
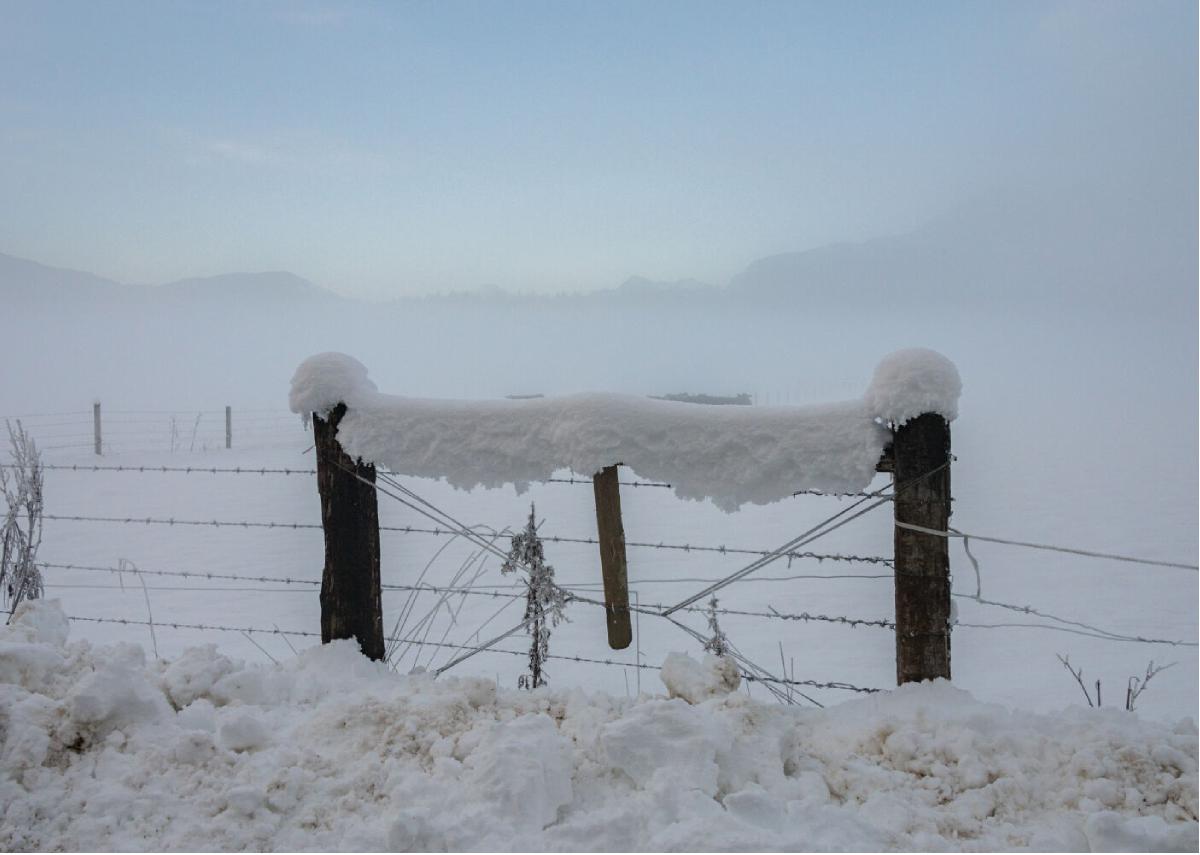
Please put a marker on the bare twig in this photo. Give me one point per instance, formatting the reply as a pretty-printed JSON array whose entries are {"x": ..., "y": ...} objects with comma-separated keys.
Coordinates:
[
  {"x": 1078, "y": 675},
  {"x": 1135, "y": 686}
]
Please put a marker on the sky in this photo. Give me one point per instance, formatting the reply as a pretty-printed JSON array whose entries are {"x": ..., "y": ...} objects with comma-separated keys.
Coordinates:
[{"x": 386, "y": 149}]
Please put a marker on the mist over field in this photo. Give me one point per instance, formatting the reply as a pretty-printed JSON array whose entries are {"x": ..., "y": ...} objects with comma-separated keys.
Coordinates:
[{"x": 479, "y": 202}]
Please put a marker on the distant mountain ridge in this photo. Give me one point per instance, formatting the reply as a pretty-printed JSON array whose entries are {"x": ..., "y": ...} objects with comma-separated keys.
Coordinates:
[
  {"x": 22, "y": 278},
  {"x": 27, "y": 281},
  {"x": 1022, "y": 250}
]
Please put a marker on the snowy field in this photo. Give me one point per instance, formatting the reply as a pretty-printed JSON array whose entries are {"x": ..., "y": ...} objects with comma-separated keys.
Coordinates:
[
  {"x": 329, "y": 751},
  {"x": 928, "y": 768}
]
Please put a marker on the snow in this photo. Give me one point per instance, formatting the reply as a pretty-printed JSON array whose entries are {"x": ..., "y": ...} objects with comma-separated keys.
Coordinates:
[
  {"x": 328, "y": 379},
  {"x": 695, "y": 681},
  {"x": 104, "y": 751},
  {"x": 732, "y": 455},
  {"x": 911, "y": 382}
]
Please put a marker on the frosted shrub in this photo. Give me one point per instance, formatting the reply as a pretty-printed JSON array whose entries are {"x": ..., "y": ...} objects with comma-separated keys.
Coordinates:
[
  {"x": 21, "y": 534},
  {"x": 717, "y": 644},
  {"x": 544, "y": 600}
]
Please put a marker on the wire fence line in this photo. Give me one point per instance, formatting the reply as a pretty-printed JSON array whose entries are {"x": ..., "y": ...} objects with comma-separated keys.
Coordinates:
[
  {"x": 417, "y": 642},
  {"x": 966, "y": 536},
  {"x": 499, "y": 592},
  {"x": 768, "y": 555},
  {"x": 496, "y": 593},
  {"x": 821, "y": 529},
  {"x": 1082, "y": 628},
  {"x": 263, "y": 470},
  {"x": 455, "y": 529},
  {"x": 449, "y": 530},
  {"x": 1104, "y": 636},
  {"x": 1097, "y": 631}
]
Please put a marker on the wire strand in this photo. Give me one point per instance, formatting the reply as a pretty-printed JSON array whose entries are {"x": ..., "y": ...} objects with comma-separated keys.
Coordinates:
[{"x": 1045, "y": 546}]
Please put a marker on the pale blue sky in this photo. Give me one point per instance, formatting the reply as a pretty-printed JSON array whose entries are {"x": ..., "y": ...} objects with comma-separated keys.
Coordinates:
[{"x": 388, "y": 148}]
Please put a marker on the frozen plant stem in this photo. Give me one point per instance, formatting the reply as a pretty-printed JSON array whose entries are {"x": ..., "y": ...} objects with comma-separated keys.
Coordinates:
[
  {"x": 1078, "y": 675},
  {"x": 21, "y": 532},
  {"x": 544, "y": 600}
]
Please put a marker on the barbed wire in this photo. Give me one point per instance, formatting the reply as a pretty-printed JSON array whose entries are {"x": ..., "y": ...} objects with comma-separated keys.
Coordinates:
[
  {"x": 47, "y": 415},
  {"x": 731, "y": 550},
  {"x": 774, "y": 614},
  {"x": 445, "y": 531},
  {"x": 172, "y": 521},
  {"x": 187, "y": 470},
  {"x": 250, "y": 470},
  {"x": 255, "y": 470},
  {"x": 250, "y": 630},
  {"x": 518, "y": 593}
]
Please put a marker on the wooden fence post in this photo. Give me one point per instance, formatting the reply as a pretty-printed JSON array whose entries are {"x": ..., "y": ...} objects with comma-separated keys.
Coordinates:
[
  {"x": 228, "y": 426},
  {"x": 612, "y": 557},
  {"x": 922, "y": 565},
  {"x": 96, "y": 427},
  {"x": 351, "y": 603}
]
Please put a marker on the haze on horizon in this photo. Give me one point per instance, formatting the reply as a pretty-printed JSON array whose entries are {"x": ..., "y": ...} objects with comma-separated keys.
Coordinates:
[{"x": 387, "y": 150}]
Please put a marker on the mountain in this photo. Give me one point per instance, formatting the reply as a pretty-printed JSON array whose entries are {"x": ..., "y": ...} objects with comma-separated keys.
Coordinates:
[
  {"x": 28, "y": 282},
  {"x": 1027, "y": 251},
  {"x": 25, "y": 281}
]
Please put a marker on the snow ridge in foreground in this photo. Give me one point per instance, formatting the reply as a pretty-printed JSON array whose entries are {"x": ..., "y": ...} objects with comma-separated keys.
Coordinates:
[{"x": 102, "y": 750}]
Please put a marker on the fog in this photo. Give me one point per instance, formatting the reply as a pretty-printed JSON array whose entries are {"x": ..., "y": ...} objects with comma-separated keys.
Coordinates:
[{"x": 1014, "y": 185}]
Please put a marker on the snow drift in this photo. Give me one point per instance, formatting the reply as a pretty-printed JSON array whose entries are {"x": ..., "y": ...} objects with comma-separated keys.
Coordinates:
[
  {"x": 100, "y": 750},
  {"x": 732, "y": 455}
]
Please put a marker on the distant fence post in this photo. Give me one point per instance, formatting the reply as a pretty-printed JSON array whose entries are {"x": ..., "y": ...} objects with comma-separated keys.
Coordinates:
[
  {"x": 228, "y": 426},
  {"x": 96, "y": 427},
  {"x": 351, "y": 602},
  {"x": 612, "y": 557},
  {"x": 922, "y": 561}
]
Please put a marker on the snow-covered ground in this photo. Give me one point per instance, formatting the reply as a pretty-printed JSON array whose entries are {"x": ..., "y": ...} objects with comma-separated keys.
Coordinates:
[
  {"x": 1107, "y": 463},
  {"x": 104, "y": 750}
]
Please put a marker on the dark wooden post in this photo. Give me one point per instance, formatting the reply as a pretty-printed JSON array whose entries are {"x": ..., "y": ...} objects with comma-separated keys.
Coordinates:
[
  {"x": 99, "y": 447},
  {"x": 922, "y": 560},
  {"x": 351, "y": 605},
  {"x": 228, "y": 426},
  {"x": 612, "y": 557}
]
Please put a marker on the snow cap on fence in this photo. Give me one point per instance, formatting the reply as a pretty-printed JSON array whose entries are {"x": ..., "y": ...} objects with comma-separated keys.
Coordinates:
[
  {"x": 326, "y": 380},
  {"x": 912, "y": 382},
  {"x": 730, "y": 454}
]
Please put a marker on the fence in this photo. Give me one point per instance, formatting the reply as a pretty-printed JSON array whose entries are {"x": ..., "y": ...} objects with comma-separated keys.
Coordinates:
[
  {"x": 103, "y": 430},
  {"x": 444, "y": 525}
]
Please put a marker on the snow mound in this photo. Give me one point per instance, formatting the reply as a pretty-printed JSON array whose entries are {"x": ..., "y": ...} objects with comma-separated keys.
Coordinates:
[
  {"x": 694, "y": 681},
  {"x": 100, "y": 750},
  {"x": 732, "y": 455},
  {"x": 909, "y": 383}
]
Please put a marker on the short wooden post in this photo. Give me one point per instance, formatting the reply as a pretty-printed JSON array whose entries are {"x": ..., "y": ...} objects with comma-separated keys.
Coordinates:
[
  {"x": 920, "y": 447},
  {"x": 228, "y": 426},
  {"x": 351, "y": 603},
  {"x": 96, "y": 427},
  {"x": 612, "y": 557}
]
